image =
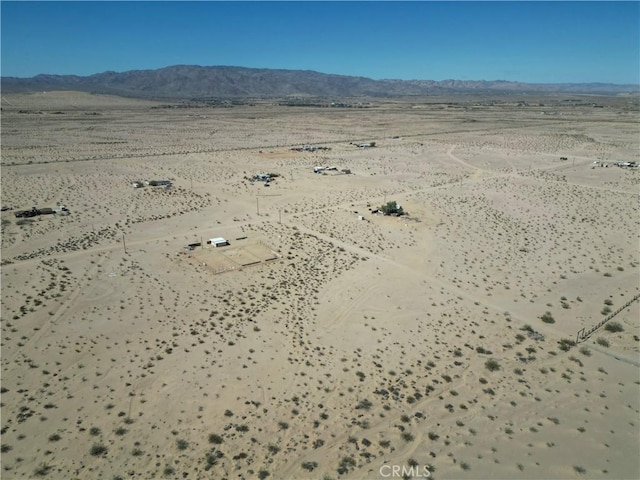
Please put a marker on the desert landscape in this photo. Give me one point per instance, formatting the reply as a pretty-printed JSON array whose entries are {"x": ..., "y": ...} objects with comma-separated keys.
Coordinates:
[{"x": 490, "y": 332}]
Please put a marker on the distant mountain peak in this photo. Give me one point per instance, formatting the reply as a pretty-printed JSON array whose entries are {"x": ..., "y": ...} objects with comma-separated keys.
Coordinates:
[{"x": 195, "y": 81}]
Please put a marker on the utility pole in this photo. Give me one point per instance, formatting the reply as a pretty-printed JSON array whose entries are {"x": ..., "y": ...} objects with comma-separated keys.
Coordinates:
[
  {"x": 257, "y": 206},
  {"x": 279, "y": 216},
  {"x": 124, "y": 244}
]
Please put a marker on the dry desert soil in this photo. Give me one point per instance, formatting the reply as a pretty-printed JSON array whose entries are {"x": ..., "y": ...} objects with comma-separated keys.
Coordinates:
[{"x": 325, "y": 341}]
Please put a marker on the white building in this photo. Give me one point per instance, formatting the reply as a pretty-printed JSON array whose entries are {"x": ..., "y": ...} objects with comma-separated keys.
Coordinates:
[{"x": 218, "y": 242}]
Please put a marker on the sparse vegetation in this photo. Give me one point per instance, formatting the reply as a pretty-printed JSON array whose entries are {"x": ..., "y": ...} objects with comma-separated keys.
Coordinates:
[{"x": 362, "y": 339}]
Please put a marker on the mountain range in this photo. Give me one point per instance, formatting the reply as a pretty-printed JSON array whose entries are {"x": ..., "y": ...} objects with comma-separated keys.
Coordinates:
[{"x": 198, "y": 82}]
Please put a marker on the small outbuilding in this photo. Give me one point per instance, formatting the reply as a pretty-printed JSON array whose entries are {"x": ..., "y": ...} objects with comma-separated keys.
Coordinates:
[{"x": 218, "y": 242}]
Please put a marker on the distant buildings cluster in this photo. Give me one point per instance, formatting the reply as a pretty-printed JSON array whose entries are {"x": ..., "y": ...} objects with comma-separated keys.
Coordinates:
[
  {"x": 152, "y": 183},
  {"x": 309, "y": 148}
]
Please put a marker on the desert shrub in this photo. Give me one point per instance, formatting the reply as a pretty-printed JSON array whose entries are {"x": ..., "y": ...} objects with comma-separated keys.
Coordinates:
[
  {"x": 407, "y": 437},
  {"x": 168, "y": 471},
  {"x": 42, "y": 470},
  {"x": 613, "y": 327},
  {"x": 602, "y": 342},
  {"x": 492, "y": 365},
  {"x": 547, "y": 318},
  {"x": 309, "y": 466},
  {"x": 345, "y": 464},
  {"x": 273, "y": 449},
  {"x": 98, "y": 449},
  {"x": 211, "y": 458},
  {"x": 566, "y": 344},
  {"x": 215, "y": 439},
  {"x": 182, "y": 444}
]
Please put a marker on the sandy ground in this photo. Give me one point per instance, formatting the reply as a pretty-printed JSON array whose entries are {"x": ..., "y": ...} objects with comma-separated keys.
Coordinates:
[{"x": 325, "y": 341}]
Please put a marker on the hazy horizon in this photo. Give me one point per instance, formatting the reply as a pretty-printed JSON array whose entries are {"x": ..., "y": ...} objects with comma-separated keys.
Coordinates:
[{"x": 316, "y": 71}]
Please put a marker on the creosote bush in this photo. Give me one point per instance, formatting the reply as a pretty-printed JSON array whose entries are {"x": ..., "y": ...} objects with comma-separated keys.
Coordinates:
[
  {"x": 614, "y": 327},
  {"x": 548, "y": 318},
  {"x": 98, "y": 449},
  {"x": 492, "y": 365}
]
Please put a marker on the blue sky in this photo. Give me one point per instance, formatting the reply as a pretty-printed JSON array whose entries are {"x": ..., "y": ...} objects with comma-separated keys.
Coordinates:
[{"x": 547, "y": 42}]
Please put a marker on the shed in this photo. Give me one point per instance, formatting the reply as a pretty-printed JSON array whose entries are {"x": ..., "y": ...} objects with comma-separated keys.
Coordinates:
[{"x": 218, "y": 242}]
